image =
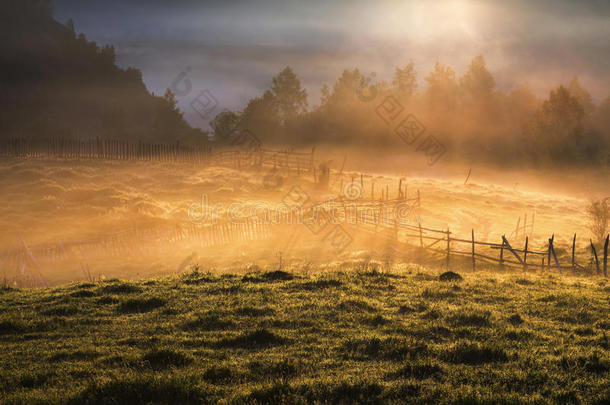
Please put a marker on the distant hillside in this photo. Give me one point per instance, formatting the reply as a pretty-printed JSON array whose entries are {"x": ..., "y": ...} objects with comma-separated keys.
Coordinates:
[{"x": 55, "y": 82}]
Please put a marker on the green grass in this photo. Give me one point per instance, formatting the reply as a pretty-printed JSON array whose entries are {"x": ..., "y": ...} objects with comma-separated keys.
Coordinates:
[{"x": 358, "y": 337}]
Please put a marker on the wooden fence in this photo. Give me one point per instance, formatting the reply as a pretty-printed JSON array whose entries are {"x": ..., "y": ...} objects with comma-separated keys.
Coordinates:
[
  {"x": 506, "y": 255},
  {"x": 26, "y": 261},
  {"x": 103, "y": 149},
  {"x": 282, "y": 161},
  {"x": 115, "y": 149}
]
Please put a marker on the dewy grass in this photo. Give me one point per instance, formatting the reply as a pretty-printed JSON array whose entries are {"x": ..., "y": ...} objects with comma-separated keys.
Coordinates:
[{"x": 333, "y": 338}]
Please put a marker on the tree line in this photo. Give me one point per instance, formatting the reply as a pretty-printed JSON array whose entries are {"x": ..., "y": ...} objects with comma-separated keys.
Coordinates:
[{"x": 475, "y": 120}]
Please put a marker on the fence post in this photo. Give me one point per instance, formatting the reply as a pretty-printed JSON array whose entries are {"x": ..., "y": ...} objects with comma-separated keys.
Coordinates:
[
  {"x": 421, "y": 236},
  {"x": 525, "y": 254},
  {"x": 502, "y": 253},
  {"x": 448, "y": 248},
  {"x": 595, "y": 255},
  {"x": 473, "y": 261},
  {"x": 573, "y": 249},
  {"x": 554, "y": 255},
  {"x": 548, "y": 253},
  {"x": 606, "y": 256}
]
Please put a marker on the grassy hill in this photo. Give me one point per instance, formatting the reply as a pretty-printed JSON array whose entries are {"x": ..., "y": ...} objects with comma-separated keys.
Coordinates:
[{"x": 359, "y": 337}]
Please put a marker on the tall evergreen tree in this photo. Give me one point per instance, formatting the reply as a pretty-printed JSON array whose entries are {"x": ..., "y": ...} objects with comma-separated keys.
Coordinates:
[
  {"x": 290, "y": 97},
  {"x": 405, "y": 80}
]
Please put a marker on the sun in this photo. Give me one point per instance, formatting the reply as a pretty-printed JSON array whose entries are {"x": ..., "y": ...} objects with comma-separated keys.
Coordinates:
[{"x": 420, "y": 20}]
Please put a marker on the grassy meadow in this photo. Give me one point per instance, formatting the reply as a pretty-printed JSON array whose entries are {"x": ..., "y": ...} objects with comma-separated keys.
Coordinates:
[{"x": 360, "y": 336}]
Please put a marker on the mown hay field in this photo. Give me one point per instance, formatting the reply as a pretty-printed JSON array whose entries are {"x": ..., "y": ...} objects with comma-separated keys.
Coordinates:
[{"x": 365, "y": 336}]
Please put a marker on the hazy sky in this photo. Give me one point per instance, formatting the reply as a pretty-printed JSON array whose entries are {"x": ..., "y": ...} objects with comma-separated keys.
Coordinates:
[{"x": 235, "y": 47}]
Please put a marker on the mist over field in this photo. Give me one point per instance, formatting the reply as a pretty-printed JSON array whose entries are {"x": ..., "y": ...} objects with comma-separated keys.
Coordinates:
[{"x": 304, "y": 202}]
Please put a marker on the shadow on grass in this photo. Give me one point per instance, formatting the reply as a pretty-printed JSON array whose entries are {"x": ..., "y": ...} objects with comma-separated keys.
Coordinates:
[
  {"x": 121, "y": 288},
  {"x": 471, "y": 318},
  {"x": 418, "y": 371},
  {"x": 254, "y": 312},
  {"x": 259, "y": 338},
  {"x": 219, "y": 375},
  {"x": 62, "y": 310},
  {"x": 143, "y": 389},
  {"x": 77, "y": 355},
  {"x": 140, "y": 305},
  {"x": 159, "y": 359},
  {"x": 393, "y": 349},
  {"x": 345, "y": 392},
  {"x": 270, "y": 276},
  {"x": 355, "y": 306}
]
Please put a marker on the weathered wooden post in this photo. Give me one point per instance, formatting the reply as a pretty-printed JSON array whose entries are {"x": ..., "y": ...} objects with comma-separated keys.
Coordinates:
[
  {"x": 421, "y": 236},
  {"x": 448, "y": 248},
  {"x": 502, "y": 253},
  {"x": 473, "y": 261},
  {"x": 573, "y": 249},
  {"x": 525, "y": 254},
  {"x": 554, "y": 255},
  {"x": 509, "y": 247},
  {"x": 548, "y": 255},
  {"x": 606, "y": 256}
]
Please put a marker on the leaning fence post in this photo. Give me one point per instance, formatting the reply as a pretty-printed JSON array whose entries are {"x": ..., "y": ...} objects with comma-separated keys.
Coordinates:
[
  {"x": 573, "y": 249},
  {"x": 525, "y": 254},
  {"x": 554, "y": 256},
  {"x": 448, "y": 248},
  {"x": 502, "y": 253},
  {"x": 606, "y": 256},
  {"x": 595, "y": 255},
  {"x": 473, "y": 261}
]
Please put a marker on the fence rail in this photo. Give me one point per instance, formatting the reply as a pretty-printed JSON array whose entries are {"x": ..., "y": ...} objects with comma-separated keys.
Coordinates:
[
  {"x": 508, "y": 256},
  {"x": 68, "y": 148},
  {"x": 102, "y": 149}
]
